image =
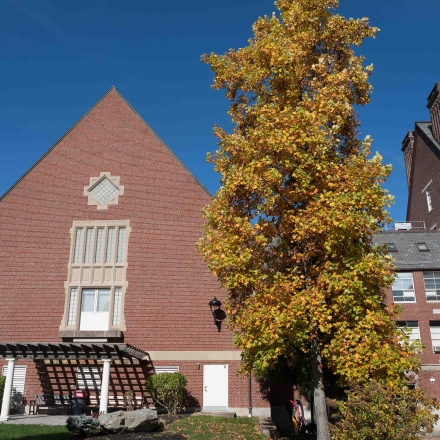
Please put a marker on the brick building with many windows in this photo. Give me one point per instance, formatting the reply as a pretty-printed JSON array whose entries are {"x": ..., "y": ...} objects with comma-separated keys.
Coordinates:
[
  {"x": 421, "y": 150},
  {"x": 417, "y": 289},
  {"x": 415, "y": 244},
  {"x": 101, "y": 283}
]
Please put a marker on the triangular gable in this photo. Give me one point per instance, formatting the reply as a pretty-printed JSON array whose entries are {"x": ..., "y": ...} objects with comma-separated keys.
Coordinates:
[{"x": 112, "y": 89}]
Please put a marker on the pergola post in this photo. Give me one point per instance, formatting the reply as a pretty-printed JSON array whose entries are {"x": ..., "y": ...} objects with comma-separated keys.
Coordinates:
[
  {"x": 105, "y": 382},
  {"x": 4, "y": 415}
]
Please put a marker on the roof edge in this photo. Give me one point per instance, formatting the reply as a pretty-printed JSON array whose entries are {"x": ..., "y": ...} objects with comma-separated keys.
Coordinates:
[
  {"x": 430, "y": 141},
  {"x": 161, "y": 141},
  {"x": 111, "y": 89}
]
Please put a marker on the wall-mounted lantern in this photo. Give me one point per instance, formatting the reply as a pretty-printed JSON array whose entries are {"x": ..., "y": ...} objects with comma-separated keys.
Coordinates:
[
  {"x": 432, "y": 380},
  {"x": 215, "y": 305}
]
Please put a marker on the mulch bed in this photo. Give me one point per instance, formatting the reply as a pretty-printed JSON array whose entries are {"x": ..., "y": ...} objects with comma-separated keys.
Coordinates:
[{"x": 142, "y": 435}]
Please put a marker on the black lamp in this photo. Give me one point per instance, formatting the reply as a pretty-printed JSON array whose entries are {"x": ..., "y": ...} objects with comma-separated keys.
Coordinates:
[{"x": 215, "y": 305}]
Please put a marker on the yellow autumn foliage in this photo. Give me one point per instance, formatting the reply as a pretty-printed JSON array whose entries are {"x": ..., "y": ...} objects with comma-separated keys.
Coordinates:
[{"x": 289, "y": 233}]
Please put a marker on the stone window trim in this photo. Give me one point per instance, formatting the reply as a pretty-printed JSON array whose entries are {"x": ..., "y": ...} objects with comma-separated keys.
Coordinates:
[
  {"x": 92, "y": 275},
  {"x": 95, "y": 181}
]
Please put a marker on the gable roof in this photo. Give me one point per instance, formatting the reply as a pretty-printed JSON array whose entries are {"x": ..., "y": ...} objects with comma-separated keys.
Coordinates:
[
  {"x": 408, "y": 257},
  {"x": 115, "y": 90},
  {"x": 426, "y": 131}
]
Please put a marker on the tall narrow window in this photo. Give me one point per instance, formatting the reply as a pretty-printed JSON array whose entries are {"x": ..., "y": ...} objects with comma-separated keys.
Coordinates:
[
  {"x": 121, "y": 245},
  {"x": 403, "y": 288},
  {"x": 99, "y": 253},
  {"x": 434, "y": 327},
  {"x": 117, "y": 306},
  {"x": 429, "y": 198},
  {"x": 72, "y": 306},
  {"x": 89, "y": 246},
  {"x": 413, "y": 327},
  {"x": 78, "y": 246},
  {"x": 110, "y": 245}
]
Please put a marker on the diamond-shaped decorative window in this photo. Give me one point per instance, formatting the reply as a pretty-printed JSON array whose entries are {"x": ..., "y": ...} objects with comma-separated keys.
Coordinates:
[{"x": 104, "y": 190}]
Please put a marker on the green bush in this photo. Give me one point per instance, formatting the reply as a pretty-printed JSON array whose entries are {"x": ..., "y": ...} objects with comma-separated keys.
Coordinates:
[
  {"x": 2, "y": 387},
  {"x": 375, "y": 411},
  {"x": 167, "y": 389}
]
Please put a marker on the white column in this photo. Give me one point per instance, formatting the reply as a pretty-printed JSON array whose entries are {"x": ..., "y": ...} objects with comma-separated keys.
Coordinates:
[
  {"x": 4, "y": 415},
  {"x": 105, "y": 382}
]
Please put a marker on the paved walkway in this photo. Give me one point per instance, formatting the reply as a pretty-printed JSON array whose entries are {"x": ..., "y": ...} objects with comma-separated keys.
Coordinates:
[{"x": 37, "y": 419}]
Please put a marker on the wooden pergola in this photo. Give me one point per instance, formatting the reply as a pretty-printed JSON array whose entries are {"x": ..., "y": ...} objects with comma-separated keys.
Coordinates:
[{"x": 106, "y": 352}]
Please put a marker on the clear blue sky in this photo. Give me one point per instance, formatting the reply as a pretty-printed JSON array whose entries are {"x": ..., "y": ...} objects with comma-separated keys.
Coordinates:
[{"x": 59, "y": 57}]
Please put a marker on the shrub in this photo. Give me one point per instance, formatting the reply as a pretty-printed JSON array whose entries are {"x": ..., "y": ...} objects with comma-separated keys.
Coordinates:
[
  {"x": 375, "y": 411},
  {"x": 2, "y": 387},
  {"x": 17, "y": 403},
  {"x": 167, "y": 389},
  {"x": 84, "y": 425},
  {"x": 129, "y": 400}
]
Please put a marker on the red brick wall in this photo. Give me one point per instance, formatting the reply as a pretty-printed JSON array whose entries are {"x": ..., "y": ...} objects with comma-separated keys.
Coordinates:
[
  {"x": 60, "y": 378},
  {"x": 166, "y": 304},
  {"x": 422, "y": 311},
  {"x": 169, "y": 285},
  {"x": 425, "y": 166}
]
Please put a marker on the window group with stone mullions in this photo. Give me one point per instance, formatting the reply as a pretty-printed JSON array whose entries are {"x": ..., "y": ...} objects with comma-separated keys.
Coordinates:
[{"x": 96, "y": 276}]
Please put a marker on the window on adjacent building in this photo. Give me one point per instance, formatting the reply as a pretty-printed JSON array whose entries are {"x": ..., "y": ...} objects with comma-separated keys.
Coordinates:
[
  {"x": 434, "y": 327},
  {"x": 403, "y": 288},
  {"x": 413, "y": 326},
  {"x": 422, "y": 247},
  {"x": 391, "y": 247},
  {"x": 432, "y": 285},
  {"x": 429, "y": 198}
]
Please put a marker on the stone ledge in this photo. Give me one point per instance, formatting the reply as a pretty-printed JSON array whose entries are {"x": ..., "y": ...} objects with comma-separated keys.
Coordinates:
[{"x": 90, "y": 334}]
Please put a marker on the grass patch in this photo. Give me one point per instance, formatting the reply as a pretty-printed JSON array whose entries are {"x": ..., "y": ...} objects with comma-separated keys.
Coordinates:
[
  {"x": 217, "y": 428},
  {"x": 33, "y": 432}
]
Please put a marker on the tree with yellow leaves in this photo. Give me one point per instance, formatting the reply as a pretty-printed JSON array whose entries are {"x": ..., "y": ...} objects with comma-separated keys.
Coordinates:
[{"x": 289, "y": 233}]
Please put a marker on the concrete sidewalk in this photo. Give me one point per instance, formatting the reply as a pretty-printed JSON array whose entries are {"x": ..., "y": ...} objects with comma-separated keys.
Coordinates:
[{"x": 37, "y": 419}]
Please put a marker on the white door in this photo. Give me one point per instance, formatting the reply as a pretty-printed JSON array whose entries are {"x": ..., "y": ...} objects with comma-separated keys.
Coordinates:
[{"x": 215, "y": 387}]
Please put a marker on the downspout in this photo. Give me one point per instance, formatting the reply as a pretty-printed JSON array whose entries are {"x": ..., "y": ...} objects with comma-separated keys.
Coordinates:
[{"x": 250, "y": 395}]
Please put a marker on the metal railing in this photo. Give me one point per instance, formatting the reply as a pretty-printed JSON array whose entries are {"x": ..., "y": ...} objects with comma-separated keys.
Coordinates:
[{"x": 406, "y": 226}]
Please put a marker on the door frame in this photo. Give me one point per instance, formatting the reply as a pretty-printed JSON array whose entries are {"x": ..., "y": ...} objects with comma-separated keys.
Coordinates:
[{"x": 215, "y": 407}]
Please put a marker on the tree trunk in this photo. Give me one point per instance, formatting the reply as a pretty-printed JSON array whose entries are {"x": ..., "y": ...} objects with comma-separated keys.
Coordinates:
[{"x": 319, "y": 393}]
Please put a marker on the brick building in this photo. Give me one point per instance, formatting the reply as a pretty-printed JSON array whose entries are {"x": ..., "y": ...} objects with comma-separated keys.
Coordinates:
[
  {"x": 421, "y": 150},
  {"x": 417, "y": 289},
  {"x": 100, "y": 280}
]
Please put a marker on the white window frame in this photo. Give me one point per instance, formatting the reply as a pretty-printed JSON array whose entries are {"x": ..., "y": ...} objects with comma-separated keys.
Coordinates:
[
  {"x": 433, "y": 278},
  {"x": 166, "y": 369},
  {"x": 398, "y": 286},
  {"x": 434, "y": 330},
  {"x": 413, "y": 327},
  {"x": 19, "y": 379},
  {"x": 429, "y": 198}
]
